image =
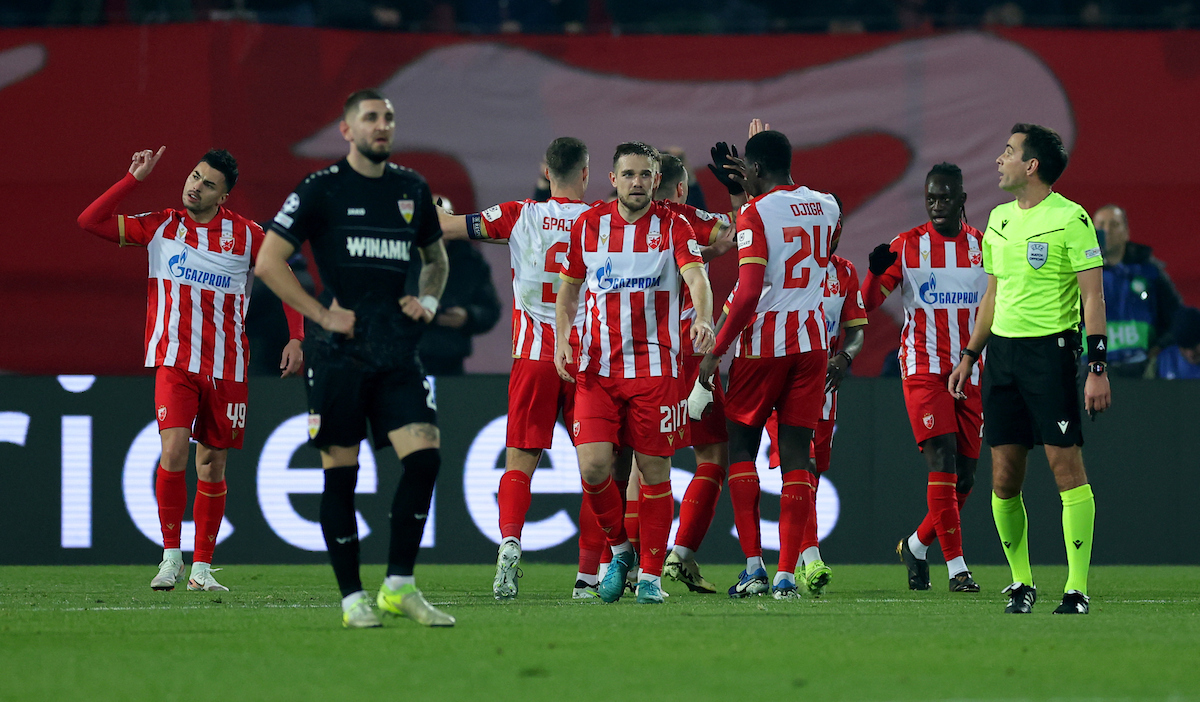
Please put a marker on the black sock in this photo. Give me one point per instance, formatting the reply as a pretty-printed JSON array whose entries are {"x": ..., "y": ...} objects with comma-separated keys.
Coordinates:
[
  {"x": 339, "y": 527},
  {"x": 410, "y": 508}
]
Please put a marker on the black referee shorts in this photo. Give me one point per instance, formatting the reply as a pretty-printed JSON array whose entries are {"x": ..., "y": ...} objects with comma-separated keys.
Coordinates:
[
  {"x": 344, "y": 395},
  {"x": 1031, "y": 391}
]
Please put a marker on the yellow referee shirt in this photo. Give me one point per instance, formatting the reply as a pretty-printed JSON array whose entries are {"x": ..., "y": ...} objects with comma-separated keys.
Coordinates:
[{"x": 1035, "y": 254}]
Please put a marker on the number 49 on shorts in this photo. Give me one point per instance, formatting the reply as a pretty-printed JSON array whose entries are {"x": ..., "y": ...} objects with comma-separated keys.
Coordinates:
[{"x": 236, "y": 412}]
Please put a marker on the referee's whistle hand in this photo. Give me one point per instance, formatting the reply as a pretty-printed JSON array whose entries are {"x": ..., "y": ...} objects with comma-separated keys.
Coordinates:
[{"x": 1097, "y": 395}]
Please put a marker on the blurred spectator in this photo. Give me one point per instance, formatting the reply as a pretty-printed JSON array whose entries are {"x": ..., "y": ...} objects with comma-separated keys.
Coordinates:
[
  {"x": 530, "y": 16},
  {"x": 1139, "y": 296},
  {"x": 297, "y": 13},
  {"x": 541, "y": 191},
  {"x": 266, "y": 327},
  {"x": 1181, "y": 360},
  {"x": 159, "y": 11},
  {"x": 373, "y": 14},
  {"x": 469, "y": 306}
]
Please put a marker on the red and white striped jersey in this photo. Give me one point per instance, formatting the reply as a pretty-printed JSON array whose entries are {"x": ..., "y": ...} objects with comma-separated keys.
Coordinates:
[
  {"x": 942, "y": 281},
  {"x": 707, "y": 227},
  {"x": 197, "y": 289},
  {"x": 844, "y": 308},
  {"x": 788, "y": 230},
  {"x": 633, "y": 277},
  {"x": 538, "y": 234}
]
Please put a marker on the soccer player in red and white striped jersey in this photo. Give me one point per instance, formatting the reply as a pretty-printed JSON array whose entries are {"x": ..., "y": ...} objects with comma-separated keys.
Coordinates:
[
  {"x": 632, "y": 254},
  {"x": 777, "y": 319},
  {"x": 200, "y": 262},
  {"x": 938, "y": 267},
  {"x": 537, "y": 235}
]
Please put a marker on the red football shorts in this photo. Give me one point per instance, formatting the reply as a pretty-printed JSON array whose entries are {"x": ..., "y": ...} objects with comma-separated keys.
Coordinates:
[
  {"x": 535, "y": 396},
  {"x": 933, "y": 411},
  {"x": 647, "y": 414},
  {"x": 214, "y": 409},
  {"x": 820, "y": 449},
  {"x": 711, "y": 429},
  {"x": 794, "y": 385}
]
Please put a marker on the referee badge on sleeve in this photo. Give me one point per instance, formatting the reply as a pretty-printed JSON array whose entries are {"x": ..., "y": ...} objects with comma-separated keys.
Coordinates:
[{"x": 1036, "y": 253}]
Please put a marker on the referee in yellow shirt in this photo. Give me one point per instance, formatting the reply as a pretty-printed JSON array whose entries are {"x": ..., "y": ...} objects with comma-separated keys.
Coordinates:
[{"x": 1042, "y": 259}]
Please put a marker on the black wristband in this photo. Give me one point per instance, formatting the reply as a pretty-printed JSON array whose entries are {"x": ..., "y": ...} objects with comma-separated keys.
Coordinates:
[
  {"x": 848, "y": 357},
  {"x": 1097, "y": 348},
  {"x": 973, "y": 354}
]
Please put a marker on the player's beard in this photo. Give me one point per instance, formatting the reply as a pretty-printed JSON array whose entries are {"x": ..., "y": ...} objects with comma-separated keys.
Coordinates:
[
  {"x": 373, "y": 155},
  {"x": 635, "y": 203}
]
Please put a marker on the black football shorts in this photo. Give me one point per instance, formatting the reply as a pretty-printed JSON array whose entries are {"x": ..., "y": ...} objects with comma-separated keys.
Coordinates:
[
  {"x": 1031, "y": 391},
  {"x": 344, "y": 395}
]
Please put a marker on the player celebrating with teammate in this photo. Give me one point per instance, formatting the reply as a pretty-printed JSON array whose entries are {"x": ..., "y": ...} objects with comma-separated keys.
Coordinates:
[
  {"x": 363, "y": 216},
  {"x": 938, "y": 268},
  {"x": 631, "y": 253},
  {"x": 784, "y": 236},
  {"x": 537, "y": 232},
  {"x": 200, "y": 262}
]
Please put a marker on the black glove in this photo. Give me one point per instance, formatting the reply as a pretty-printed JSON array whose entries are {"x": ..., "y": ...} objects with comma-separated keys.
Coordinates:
[
  {"x": 720, "y": 157},
  {"x": 881, "y": 259}
]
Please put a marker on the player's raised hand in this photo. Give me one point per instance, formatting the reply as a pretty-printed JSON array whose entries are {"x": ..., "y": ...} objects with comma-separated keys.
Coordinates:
[
  {"x": 959, "y": 377},
  {"x": 708, "y": 367},
  {"x": 881, "y": 259},
  {"x": 724, "y": 168},
  {"x": 337, "y": 319},
  {"x": 757, "y": 125},
  {"x": 562, "y": 358},
  {"x": 144, "y": 162},
  {"x": 1097, "y": 395},
  {"x": 412, "y": 307},
  {"x": 293, "y": 359},
  {"x": 702, "y": 336}
]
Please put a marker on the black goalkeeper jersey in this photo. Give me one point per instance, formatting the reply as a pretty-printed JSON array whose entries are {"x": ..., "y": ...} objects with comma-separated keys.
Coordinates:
[{"x": 365, "y": 235}]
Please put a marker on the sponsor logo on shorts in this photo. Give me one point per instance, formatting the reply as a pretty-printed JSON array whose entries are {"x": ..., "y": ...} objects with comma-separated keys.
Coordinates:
[
  {"x": 928, "y": 420},
  {"x": 162, "y": 413},
  {"x": 314, "y": 425},
  {"x": 1062, "y": 426},
  {"x": 407, "y": 208}
]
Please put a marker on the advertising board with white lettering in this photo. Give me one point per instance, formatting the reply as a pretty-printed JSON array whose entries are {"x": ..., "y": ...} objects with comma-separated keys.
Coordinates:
[{"x": 78, "y": 455}]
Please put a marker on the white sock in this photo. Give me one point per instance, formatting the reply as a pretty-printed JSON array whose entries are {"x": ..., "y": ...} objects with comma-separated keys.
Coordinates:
[
  {"x": 200, "y": 567},
  {"x": 810, "y": 555},
  {"x": 602, "y": 571},
  {"x": 918, "y": 549},
  {"x": 956, "y": 566},
  {"x": 513, "y": 539},
  {"x": 781, "y": 576},
  {"x": 587, "y": 578},
  {"x": 352, "y": 599},
  {"x": 755, "y": 563},
  {"x": 395, "y": 582},
  {"x": 173, "y": 554},
  {"x": 684, "y": 553},
  {"x": 656, "y": 579},
  {"x": 623, "y": 548}
]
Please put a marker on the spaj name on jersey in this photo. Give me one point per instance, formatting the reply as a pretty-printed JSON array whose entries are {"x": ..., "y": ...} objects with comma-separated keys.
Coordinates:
[
  {"x": 372, "y": 247},
  {"x": 557, "y": 224}
]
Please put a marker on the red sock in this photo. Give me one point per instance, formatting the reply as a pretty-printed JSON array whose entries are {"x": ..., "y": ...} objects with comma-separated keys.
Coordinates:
[
  {"x": 171, "y": 491},
  {"x": 795, "y": 507},
  {"x": 943, "y": 505},
  {"x": 632, "y": 524},
  {"x": 699, "y": 505},
  {"x": 962, "y": 499},
  {"x": 810, "y": 527},
  {"x": 606, "y": 505},
  {"x": 743, "y": 492},
  {"x": 591, "y": 540},
  {"x": 927, "y": 530},
  {"x": 207, "y": 510},
  {"x": 514, "y": 499},
  {"x": 658, "y": 509}
]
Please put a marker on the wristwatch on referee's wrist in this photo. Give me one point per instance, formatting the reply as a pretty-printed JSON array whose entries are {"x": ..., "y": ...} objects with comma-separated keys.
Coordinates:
[
  {"x": 968, "y": 353},
  {"x": 1097, "y": 367}
]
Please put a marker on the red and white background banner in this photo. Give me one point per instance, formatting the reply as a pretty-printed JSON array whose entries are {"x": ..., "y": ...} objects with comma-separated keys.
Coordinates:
[{"x": 868, "y": 115}]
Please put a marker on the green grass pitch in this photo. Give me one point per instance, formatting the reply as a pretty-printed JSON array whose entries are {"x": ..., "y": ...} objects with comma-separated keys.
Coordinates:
[{"x": 100, "y": 633}]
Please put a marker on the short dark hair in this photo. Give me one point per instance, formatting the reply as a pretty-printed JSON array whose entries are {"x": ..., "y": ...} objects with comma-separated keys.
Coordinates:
[
  {"x": 1044, "y": 144},
  {"x": 772, "y": 151},
  {"x": 637, "y": 148},
  {"x": 360, "y": 96},
  {"x": 566, "y": 156},
  {"x": 945, "y": 169},
  {"x": 223, "y": 162},
  {"x": 1186, "y": 327},
  {"x": 673, "y": 173}
]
